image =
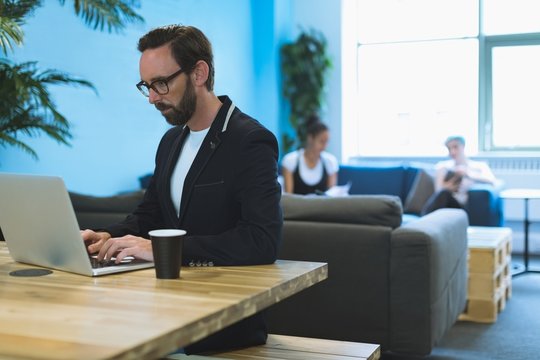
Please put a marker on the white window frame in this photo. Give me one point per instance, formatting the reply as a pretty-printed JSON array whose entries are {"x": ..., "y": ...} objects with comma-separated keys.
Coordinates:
[
  {"x": 485, "y": 45},
  {"x": 485, "y": 116}
]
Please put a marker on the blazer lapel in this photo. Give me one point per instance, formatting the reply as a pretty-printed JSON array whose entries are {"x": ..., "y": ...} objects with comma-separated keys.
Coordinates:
[{"x": 210, "y": 144}]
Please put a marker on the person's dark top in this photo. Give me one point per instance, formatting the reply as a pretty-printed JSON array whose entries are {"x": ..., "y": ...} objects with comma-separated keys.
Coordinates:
[{"x": 300, "y": 187}]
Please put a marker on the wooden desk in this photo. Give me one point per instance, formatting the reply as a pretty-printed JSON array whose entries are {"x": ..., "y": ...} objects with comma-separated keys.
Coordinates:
[{"x": 134, "y": 315}]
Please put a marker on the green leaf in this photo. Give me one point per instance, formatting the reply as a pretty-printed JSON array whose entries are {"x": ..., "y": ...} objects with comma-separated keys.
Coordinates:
[
  {"x": 18, "y": 10},
  {"x": 112, "y": 15},
  {"x": 26, "y": 107},
  {"x": 10, "y": 33}
]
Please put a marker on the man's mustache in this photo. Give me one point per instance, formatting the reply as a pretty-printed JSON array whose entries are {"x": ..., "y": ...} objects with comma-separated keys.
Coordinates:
[{"x": 162, "y": 106}]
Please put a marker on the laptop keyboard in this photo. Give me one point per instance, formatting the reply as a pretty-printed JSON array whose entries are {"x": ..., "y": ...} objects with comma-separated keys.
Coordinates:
[{"x": 96, "y": 264}]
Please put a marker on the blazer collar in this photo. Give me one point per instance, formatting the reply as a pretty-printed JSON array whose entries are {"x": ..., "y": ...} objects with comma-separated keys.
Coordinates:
[{"x": 210, "y": 144}]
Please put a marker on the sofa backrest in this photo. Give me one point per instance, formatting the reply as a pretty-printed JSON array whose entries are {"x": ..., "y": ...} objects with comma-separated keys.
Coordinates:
[
  {"x": 97, "y": 212},
  {"x": 381, "y": 210},
  {"x": 395, "y": 180}
]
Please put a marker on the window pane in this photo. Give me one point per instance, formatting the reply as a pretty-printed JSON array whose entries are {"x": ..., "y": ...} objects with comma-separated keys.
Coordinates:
[
  {"x": 511, "y": 17},
  {"x": 413, "y": 95},
  {"x": 516, "y": 89},
  {"x": 401, "y": 20}
]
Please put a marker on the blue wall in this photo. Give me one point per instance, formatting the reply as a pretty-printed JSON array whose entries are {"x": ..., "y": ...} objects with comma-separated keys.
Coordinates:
[{"x": 116, "y": 132}]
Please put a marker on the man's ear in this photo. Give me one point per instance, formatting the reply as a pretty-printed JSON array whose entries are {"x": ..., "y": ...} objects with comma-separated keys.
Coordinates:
[{"x": 200, "y": 73}]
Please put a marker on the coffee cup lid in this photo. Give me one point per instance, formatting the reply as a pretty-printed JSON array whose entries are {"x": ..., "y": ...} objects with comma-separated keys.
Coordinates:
[{"x": 167, "y": 232}]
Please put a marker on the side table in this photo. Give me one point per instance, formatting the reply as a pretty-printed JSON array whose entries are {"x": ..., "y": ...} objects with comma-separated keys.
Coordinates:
[
  {"x": 490, "y": 282},
  {"x": 525, "y": 195}
]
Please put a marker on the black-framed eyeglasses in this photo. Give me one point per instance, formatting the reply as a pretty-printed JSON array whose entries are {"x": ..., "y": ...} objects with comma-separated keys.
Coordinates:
[{"x": 160, "y": 86}]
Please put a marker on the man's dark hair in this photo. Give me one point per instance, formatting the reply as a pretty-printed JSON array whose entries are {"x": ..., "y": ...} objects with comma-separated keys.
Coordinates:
[{"x": 188, "y": 45}]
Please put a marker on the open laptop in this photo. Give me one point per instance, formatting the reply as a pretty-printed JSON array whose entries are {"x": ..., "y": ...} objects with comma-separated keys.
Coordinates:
[{"x": 40, "y": 227}]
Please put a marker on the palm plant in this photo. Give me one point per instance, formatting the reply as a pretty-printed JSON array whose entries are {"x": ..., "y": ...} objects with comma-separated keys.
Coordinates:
[{"x": 26, "y": 107}]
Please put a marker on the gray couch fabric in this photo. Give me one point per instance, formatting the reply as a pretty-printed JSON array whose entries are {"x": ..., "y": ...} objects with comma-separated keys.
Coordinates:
[
  {"x": 97, "y": 212},
  {"x": 384, "y": 210},
  {"x": 399, "y": 286},
  {"x": 428, "y": 272}
]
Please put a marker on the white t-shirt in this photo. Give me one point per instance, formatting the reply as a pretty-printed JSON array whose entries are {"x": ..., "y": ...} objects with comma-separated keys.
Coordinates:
[
  {"x": 187, "y": 155},
  {"x": 308, "y": 175}
]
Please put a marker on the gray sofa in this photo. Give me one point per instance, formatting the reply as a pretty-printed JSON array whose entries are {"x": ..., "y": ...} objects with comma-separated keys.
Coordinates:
[
  {"x": 401, "y": 286},
  {"x": 398, "y": 285},
  {"x": 97, "y": 212}
]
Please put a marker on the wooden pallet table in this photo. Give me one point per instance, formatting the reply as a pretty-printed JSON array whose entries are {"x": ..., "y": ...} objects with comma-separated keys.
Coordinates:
[{"x": 490, "y": 278}]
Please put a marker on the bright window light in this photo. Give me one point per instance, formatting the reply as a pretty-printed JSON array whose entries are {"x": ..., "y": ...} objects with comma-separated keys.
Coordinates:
[
  {"x": 516, "y": 89},
  {"x": 413, "y": 96},
  {"x": 511, "y": 16}
]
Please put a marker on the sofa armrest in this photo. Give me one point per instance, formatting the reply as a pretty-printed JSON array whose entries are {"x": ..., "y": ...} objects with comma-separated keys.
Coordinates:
[
  {"x": 484, "y": 205},
  {"x": 428, "y": 279}
]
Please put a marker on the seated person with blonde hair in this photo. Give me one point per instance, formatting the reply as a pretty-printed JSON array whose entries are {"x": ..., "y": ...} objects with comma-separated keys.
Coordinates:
[{"x": 454, "y": 177}]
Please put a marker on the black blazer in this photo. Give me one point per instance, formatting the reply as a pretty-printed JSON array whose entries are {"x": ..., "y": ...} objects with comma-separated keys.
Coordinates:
[{"x": 230, "y": 205}]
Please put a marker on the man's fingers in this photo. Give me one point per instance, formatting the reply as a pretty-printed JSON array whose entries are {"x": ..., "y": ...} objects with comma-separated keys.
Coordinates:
[
  {"x": 119, "y": 248},
  {"x": 114, "y": 246},
  {"x": 137, "y": 247},
  {"x": 104, "y": 250},
  {"x": 130, "y": 251}
]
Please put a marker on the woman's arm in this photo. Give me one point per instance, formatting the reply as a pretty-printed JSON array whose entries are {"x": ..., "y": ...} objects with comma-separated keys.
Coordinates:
[
  {"x": 332, "y": 180},
  {"x": 288, "y": 180}
]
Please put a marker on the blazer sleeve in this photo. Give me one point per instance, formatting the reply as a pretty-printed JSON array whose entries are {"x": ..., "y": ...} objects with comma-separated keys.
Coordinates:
[{"x": 256, "y": 235}]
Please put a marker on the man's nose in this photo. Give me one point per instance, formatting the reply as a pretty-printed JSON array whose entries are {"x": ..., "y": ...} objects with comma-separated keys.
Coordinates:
[{"x": 153, "y": 96}]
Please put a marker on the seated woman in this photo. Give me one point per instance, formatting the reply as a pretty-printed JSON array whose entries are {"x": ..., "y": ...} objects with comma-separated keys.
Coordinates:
[
  {"x": 456, "y": 176},
  {"x": 311, "y": 169}
]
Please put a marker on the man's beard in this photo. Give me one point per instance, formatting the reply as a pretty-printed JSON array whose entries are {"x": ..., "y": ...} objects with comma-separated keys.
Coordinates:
[{"x": 181, "y": 113}]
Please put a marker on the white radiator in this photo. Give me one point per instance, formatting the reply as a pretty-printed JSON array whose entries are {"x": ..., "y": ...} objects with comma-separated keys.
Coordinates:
[{"x": 518, "y": 173}]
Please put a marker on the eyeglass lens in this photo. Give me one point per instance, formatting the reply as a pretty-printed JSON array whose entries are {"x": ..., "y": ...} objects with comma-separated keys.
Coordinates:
[{"x": 159, "y": 86}]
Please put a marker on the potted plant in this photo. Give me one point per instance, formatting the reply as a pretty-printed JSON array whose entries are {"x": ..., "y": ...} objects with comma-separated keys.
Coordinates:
[
  {"x": 26, "y": 107},
  {"x": 304, "y": 66}
]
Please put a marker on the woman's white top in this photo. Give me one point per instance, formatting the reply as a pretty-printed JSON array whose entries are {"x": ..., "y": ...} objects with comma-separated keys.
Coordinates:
[{"x": 310, "y": 176}]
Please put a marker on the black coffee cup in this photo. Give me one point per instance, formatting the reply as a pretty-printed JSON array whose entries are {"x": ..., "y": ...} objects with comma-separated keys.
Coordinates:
[{"x": 167, "y": 249}]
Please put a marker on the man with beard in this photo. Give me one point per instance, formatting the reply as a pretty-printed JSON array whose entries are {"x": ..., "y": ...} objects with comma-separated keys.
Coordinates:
[{"x": 215, "y": 175}]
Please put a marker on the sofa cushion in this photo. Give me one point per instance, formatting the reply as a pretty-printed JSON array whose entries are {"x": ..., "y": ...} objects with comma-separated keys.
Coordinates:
[
  {"x": 122, "y": 203},
  {"x": 422, "y": 188},
  {"x": 383, "y": 210},
  {"x": 374, "y": 180}
]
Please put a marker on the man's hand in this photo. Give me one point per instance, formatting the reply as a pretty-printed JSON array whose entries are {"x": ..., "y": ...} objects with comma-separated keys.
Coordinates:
[
  {"x": 108, "y": 247},
  {"x": 452, "y": 184},
  {"x": 94, "y": 240}
]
